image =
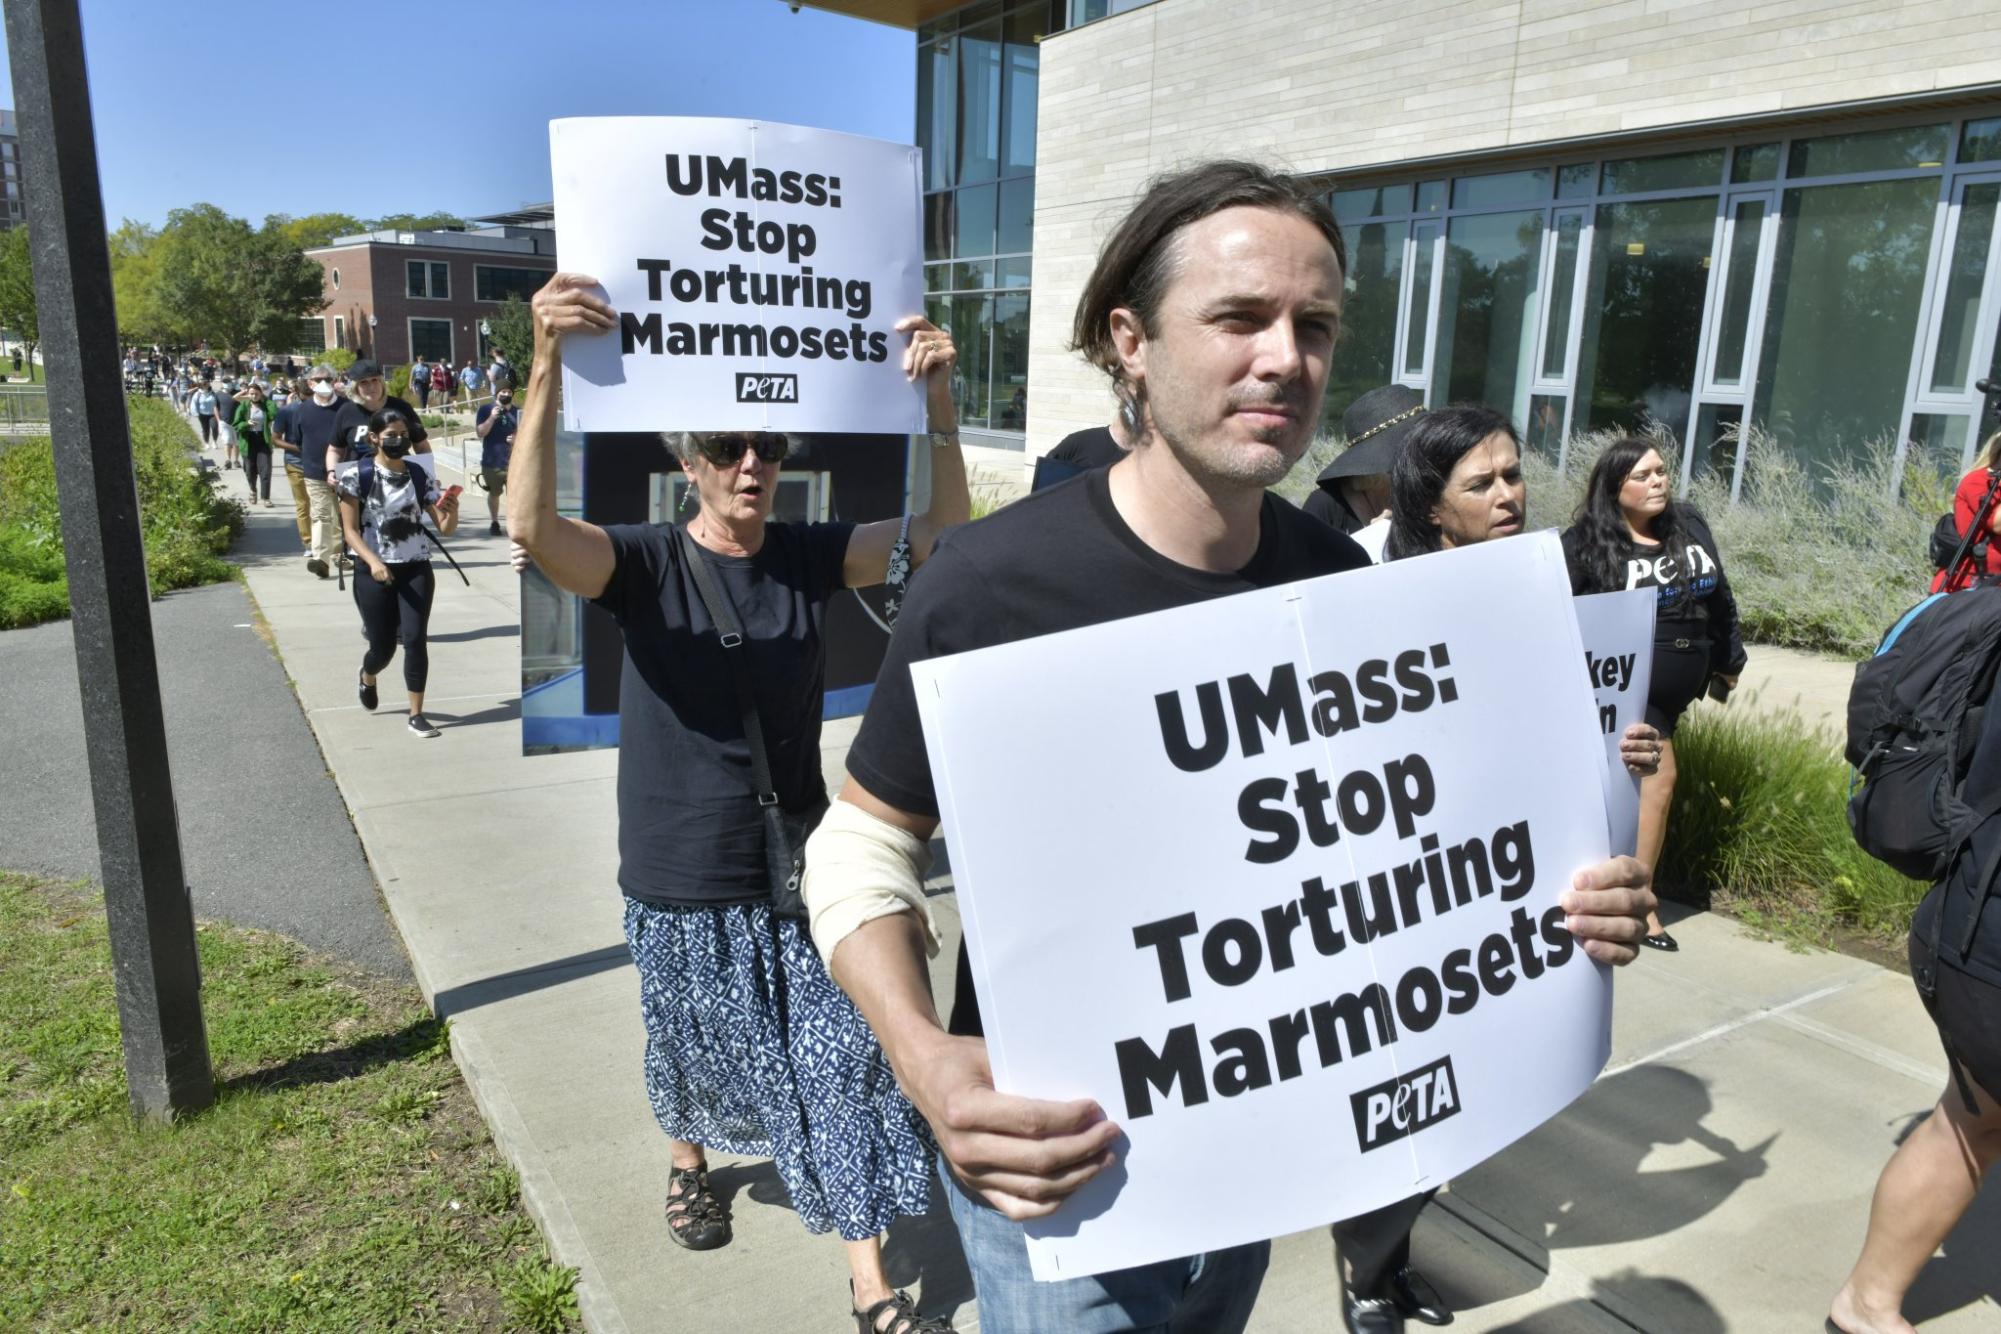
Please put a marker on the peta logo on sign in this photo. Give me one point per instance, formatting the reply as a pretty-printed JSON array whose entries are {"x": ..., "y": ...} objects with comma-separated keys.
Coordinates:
[
  {"x": 1405, "y": 1105},
  {"x": 766, "y": 388}
]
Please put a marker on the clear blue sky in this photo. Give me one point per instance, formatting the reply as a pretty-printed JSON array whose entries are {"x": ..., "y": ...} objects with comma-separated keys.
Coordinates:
[{"x": 212, "y": 104}]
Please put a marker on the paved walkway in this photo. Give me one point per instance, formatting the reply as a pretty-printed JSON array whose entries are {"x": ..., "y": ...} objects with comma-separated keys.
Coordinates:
[{"x": 1716, "y": 1177}]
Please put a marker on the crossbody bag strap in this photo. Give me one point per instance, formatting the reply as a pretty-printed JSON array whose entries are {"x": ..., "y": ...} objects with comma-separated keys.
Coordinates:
[
  {"x": 723, "y": 614},
  {"x": 1975, "y": 528}
]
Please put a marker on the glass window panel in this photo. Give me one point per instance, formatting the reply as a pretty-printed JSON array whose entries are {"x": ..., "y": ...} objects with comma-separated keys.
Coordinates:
[
  {"x": 1543, "y": 432},
  {"x": 1642, "y": 321},
  {"x": 971, "y": 323},
  {"x": 1367, "y": 345},
  {"x": 1990, "y": 404},
  {"x": 414, "y": 274},
  {"x": 1575, "y": 181},
  {"x": 491, "y": 282},
  {"x": 1981, "y": 141},
  {"x": 1371, "y": 201},
  {"x": 1941, "y": 435},
  {"x": 1088, "y": 11},
  {"x": 1734, "y": 324},
  {"x": 1716, "y": 431},
  {"x": 431, "y": 339},
  {"x": 1966, "y": 267},
  {"x": 1418, "y": 327},
  {"x": 1010, "y": 410},
  {"x": 937, "y": 112},
  {"x": 974, "y": 229},
  {"x": 1676, "y": 171},
  {"x": 1847, "y": 282},
  {"x": 940, "y": 211},
  {"x": 979, "y": 103},
  {"x": 1017, "y": 218},
  {"x": 1023, "y": 63},
  {"x": 441, "y": 281},
  {"x": 1869, "y": 150},
  {"x": 1487, "y": 311},
  {"x": 1754, "y": 162},
  {"x": 975, "y": 277},
  {"x": 1027, "y": 25},
  {"x": 1506, "y": 187},
  {"x": 1012, "y": 273},
  {"x": 1562, "y": 285},
  {"x": 1431, "y": 197},
  {"x": 938, "y": 277}
]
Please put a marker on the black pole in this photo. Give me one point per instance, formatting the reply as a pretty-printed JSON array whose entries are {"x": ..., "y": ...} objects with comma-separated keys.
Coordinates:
[{"x": 158, "y": 974}]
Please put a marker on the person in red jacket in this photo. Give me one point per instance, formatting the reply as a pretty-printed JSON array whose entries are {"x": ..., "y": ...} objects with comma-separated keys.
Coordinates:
[{"x": 1983, "y": 559}]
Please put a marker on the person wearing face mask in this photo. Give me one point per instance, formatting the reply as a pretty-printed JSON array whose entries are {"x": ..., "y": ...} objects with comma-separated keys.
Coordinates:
[
  {"x": 369, "y": 394},
  {"x": 750, "y": 1047},
  {"x": 383, "y": 500},
  {"x": 304, "y": 432},
  {"x": 496, "y": 425},
  {"x": 253, "y": 424},
  {"x": 1630, "y": 533}
]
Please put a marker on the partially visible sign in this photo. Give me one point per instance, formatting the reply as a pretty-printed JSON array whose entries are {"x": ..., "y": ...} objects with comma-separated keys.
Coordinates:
[
  {"x": 1281, "y": 870},
  {"x": 1618, "y": 633},
  {"x": 758, "y": 271}
]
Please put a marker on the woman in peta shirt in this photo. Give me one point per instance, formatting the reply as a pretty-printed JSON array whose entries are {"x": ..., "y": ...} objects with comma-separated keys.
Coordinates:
[{"x": 1630, "y": 533}]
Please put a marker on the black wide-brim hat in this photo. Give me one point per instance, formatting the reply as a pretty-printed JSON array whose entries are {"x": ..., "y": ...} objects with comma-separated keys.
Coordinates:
[{"x": 1376, "y": 425}]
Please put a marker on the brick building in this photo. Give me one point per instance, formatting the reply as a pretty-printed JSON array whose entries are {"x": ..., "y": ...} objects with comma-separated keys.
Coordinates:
[
  {"x": 1591, "y": 215},
  {"x": 391, "y": 294}
]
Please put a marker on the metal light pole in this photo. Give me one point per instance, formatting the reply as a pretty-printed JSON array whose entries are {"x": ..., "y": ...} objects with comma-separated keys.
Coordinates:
[{"x": 157, "y": 971}]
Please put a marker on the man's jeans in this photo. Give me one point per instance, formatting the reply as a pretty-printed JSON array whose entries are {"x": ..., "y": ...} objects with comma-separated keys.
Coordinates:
[{"x": 1203, "y": 1294}]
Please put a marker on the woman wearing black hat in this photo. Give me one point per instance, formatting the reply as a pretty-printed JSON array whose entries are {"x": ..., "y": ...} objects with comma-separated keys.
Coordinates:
[{"x": 1353, "y": 492}]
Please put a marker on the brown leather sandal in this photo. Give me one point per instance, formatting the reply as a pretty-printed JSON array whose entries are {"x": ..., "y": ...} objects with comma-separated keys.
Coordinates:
[{"x": 696, "y": 1219}]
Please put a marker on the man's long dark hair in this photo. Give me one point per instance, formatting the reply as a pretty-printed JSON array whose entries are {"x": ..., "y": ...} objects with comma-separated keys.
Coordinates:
[
  {"x": 1429, "y": 454},
  {"x": 1604, "y": 542},
  {"x": 1136, "y": 267}
]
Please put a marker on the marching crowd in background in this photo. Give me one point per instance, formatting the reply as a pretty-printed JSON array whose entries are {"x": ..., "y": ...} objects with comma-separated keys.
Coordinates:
[
  {"x": 781, "y": 936},
  {"x": 359, "y": 465}
]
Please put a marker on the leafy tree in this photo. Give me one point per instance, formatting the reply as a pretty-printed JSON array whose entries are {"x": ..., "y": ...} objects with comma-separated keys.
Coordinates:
[
  {"x": 17, "y": 290},
  {"x": 418, "y": 222},
  {"x": 315, "y": 229},
  {"x": 232, "y": 285},
  {"x": 514, "y": 334},
  {"x": 135, "y": 286}
]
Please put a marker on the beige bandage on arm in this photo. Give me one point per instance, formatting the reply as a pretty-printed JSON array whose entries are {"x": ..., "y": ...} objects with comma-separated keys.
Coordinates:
[{"x": 859, "y": 868}]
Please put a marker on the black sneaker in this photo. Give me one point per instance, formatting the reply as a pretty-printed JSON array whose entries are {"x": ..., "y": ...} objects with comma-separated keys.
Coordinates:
[
  {"x": 420, "y": 727},
  {"x": 493, "y": 529},
  {"x": 366, "y": 689},
  {"x": 317, "y": 566}
]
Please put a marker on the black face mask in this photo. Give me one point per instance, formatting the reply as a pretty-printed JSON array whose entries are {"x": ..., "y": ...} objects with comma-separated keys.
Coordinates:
[{"x": 394, "y": 446}]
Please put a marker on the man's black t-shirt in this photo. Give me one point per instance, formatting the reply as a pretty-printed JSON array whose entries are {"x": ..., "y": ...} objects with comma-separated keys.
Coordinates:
[
  {"x": 1056, "y": 560},
  {"x": 311, "y": 427},
  {"x": 351, "y": 426},
  {"x": 689, "y": 830}
]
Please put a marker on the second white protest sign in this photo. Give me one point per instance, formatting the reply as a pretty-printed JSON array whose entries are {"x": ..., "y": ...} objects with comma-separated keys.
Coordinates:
[
  {"x": 758, "y": 271},
  {"x": 1274, "y": 881}
]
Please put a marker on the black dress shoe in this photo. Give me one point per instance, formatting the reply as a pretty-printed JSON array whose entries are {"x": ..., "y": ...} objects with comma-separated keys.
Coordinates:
[
  {"x": 1369, "y": 1315},
  {"x": 1663, "y": 942},
  {"x": 1416, "y": 1299}
]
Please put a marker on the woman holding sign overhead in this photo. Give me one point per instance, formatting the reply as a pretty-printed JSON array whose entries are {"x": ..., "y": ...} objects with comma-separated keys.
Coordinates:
[
  {"x": 1630, "y": 533},
  {"x": 750, "y": 1047},
  {"x": 1456, "y": 481}
]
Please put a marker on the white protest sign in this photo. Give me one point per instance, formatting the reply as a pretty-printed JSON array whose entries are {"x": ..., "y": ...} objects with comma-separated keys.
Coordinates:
[
  {"x": 758, "y": 271},
  {"x": 1618, "y": 634},
  {"x": 1274, "y": 880}
]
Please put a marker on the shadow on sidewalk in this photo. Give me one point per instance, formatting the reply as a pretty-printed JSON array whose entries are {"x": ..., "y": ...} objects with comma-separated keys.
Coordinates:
[
  {"x": 505, "y": 986},
  {"x": 1667, "y": 1304},
  {"x": 507, "y": 711},
  {"x": 484, "y": 632}
]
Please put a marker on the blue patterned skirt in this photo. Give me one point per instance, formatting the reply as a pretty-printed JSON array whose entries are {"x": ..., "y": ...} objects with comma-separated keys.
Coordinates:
[{"x": 752, "y": 1049}]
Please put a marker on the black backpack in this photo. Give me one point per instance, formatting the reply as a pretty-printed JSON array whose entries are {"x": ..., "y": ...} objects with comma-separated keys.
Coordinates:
[{"x": 1914, "y": 715}]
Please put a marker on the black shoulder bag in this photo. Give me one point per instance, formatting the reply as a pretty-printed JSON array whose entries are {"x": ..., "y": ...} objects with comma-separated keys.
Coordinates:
[{"x": 785, "y": 833}]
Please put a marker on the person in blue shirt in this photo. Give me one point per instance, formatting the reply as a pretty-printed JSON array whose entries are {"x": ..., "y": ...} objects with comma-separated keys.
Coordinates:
[{"x": 496, "y": 424}]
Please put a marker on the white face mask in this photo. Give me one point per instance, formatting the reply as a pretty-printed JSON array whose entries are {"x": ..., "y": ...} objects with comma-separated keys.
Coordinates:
[{"x": 322, "y": 389}]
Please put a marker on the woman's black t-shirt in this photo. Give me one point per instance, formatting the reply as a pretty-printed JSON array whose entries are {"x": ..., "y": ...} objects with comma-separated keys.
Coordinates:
[
  {"x": 1059, "y": 559},
  {"x": 689, "y": 830},
  {"x": 1696, "y": 611}
]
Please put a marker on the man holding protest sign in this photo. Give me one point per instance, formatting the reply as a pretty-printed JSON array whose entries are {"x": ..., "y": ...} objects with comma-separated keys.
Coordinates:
[
  {"x": 1213, "y": 308},
  {"x": 751, "y": 1048}
]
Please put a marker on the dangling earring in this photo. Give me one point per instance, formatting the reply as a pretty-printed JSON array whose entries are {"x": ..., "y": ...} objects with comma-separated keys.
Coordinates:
[{"x": 687, "y": 496}]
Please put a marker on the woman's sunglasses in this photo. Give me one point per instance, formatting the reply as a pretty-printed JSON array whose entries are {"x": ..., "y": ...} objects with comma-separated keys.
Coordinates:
[{"x": 726, "y": 449}]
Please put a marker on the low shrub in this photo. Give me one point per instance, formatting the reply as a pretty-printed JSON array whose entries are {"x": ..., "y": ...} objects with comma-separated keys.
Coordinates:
[
  {"x": 186, "y": 522},
  {"x": 1759, "y": 828}
]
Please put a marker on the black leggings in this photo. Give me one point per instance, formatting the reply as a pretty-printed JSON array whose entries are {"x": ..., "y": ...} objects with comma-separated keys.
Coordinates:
[
  {"x": 399, "y": 609},
  {"x": 257, "y": 463},
  {"x": 207, "y": 420}
]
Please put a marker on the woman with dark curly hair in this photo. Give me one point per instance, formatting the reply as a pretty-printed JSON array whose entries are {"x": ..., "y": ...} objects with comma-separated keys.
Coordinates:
[{"x": 1630, "y": 533}]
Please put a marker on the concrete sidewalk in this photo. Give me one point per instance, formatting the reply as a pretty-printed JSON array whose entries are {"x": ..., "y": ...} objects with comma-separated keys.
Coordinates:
[{"x": 1717, "y": 1176}]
